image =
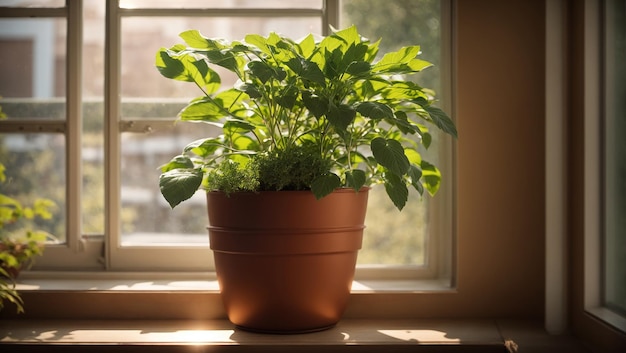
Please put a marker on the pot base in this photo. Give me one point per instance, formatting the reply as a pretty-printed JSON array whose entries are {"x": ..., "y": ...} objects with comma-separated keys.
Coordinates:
[{"x": 284, "y": 332}]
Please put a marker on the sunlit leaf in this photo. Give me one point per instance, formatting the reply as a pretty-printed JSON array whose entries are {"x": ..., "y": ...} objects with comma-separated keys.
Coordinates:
[{"x": 180, "y": 161}]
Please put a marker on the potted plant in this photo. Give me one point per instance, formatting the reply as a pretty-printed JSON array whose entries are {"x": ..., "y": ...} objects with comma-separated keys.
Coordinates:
[
  {"x": 307, "y": 128},
  {"x": 19, "y": 245}
]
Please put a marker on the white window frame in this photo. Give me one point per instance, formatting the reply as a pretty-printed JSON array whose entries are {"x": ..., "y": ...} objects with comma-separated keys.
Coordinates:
[{"x": 92, "y": 253}]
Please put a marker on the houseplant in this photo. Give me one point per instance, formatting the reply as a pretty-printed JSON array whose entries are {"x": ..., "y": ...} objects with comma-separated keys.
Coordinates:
[
  {"x": 19, "y": 245},
  {"x": 314, "y": 117}
]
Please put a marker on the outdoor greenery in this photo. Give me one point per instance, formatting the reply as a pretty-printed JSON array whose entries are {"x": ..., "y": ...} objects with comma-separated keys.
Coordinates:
[
  {"x": 19, "y": 244},
  {"x": 326, "y": 97}
]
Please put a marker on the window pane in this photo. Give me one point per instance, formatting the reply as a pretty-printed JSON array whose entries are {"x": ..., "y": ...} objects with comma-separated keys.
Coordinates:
[
  {"x": 308, "y": 4},
  {"x": 141, "y": 38},
  {"x": 393, "y": 237},
  {"x": 32, "y": 64},
  {"x": 32, "y": 3},
  {"x": 146, "y": 217},
  {"x": 615, "y": 158},
  {"x": 35, "y": 168}
]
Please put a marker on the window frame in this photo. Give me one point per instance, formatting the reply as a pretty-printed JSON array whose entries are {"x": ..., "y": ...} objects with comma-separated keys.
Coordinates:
[
  {"x": 594, "y": 154},
  {"x": 97, "y": 253}
]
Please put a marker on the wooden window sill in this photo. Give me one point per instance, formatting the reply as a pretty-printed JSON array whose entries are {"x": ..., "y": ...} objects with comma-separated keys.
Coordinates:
[
  {"x": 186, "y": 314},
  {"x": 220, "y": 336}
]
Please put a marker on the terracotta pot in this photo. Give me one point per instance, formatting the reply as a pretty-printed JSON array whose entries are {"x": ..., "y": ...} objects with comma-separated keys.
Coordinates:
[{"x": 284, "y": 260}]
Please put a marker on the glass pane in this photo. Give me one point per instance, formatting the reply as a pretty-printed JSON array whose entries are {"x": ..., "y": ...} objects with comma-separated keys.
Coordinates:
[
  {"x": 32, "y": 3},
  {"x": 233, "y": 4},
  {"x": 141, "y": 38},
  {"x": 615, "y": 157},
  {"x": 32, "y": 67},
  {"x": 35, "y": 168},
  {"x": 146, "y": 217},
  {"x": 393, "y": 237}
]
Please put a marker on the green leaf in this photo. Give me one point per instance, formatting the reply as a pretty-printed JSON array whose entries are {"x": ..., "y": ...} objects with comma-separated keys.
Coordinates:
[
  {"x": 441, "y": 120},
  {"x": 205, "y": 109},
  {"x": 325, "y": 184},
  {"x": 375, "y": 110},
  {"x": 390, "y": 154},
  {"x": 244, "y": 142},
  {"x": 358, "y": 68},
  {"x": 237, "y": 126},
  {"x": 391, "y": 61},
  {"x": 341, "y": 116},
  {"x": 194, "y": 39},
  {"x": 288, "y": 97},
  {"x": 307, "y": 70},
  {"x": 396, "y": 190},
  {"x": 168, "y": 64},
  {"x": 306, "y": 47},
  {"x": 317, "y": 105},
  {"x": 179, "y": 162},
  {"x": 401, "y": 121},
  {"x": 258, "y": 41},
  {"x": 431, "y": 177},
  {"x": 416, "y": 175},
  {"x": 265, "y": 72},
  {"x": 348, "y": 35},
  {"x": 355, "y": 179},
  {"x": 427, "y": 140},
  {"x": 413, "y": 155},
  {"x": 42, "y": 208},
  {"x": 178, "y": 185},
  {"x": 225, "y": 59}
]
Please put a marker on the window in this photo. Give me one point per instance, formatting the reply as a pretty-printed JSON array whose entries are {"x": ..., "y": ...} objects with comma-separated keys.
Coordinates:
[{"x": 91, "y": 119}]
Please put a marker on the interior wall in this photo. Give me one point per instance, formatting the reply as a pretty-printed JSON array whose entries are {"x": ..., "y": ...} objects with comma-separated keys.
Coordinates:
[{"x": 501, "y": 150}]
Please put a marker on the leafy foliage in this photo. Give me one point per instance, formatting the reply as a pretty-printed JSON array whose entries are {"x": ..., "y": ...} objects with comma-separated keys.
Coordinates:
[
  {"x": 18, "y": 246},
  {"x": 295, "y": 168},
  {"x": 360, "y": 117}
]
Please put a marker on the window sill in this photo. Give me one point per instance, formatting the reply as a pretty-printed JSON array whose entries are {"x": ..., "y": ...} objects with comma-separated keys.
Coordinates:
[
  {"x": 194, "y": 296},
  {"x": 155, "y": 336},
  {"x": 137, "y": 281},
  {"x": 153, "y": 312},
  {"x": 219, "y": 335}
]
